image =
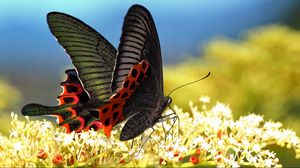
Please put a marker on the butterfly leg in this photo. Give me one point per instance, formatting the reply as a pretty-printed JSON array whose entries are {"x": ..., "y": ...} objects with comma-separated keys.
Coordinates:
[
  {"x": 132, "y": 142},
  {"x": 144, "y": 142},
  {"x": 173, "y": 116},
  {"x": 162, "y": 124},
  {"x": 178, "y": 120},
  {"x": 174, "y": 121}
]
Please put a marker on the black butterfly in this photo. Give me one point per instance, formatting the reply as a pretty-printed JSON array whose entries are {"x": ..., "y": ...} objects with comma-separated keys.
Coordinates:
[{"x": 115, "y": 85}]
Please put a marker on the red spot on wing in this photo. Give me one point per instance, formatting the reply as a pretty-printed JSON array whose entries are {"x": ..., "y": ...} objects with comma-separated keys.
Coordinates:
[
  {"x": 110, "y": 114},
  {"x": 68, "y": 130},
  {"x": 70, "y": 91},
  {"x": 60, "y": 119},
  {"x": 81, "y": 120},
  {"x": 68, "y": 99},
  {"x": 80, "y": 127},
  {"x": 73, "y": 93},
  {"x": 96, "y": 125},
  {"x": 106, "y": 113}
]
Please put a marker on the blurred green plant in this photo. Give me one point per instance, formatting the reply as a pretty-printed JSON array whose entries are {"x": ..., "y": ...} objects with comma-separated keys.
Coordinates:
[
  {"x": 259, "y": 74},
  {"x": 9, "y": 97},
  {"x": 209, "y": 136}
]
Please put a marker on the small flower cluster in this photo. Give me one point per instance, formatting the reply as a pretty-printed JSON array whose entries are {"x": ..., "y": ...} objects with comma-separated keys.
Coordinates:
[
  {"x": 209, "y": 136},
  {"x": 213, "y": 137}
]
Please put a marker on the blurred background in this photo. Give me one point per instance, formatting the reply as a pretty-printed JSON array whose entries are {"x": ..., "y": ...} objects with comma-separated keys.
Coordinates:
[{"x": 251, "y": 47}]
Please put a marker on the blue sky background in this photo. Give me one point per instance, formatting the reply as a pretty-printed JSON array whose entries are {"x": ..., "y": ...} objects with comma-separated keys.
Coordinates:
[{"x": 31, "y": 58}]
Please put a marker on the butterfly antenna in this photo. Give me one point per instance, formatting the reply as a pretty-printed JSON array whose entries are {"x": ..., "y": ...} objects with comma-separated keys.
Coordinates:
[{"x": 189, "y": 83}]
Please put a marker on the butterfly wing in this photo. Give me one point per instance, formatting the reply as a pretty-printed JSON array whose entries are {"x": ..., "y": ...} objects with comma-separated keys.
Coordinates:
[
  {"x": 139, "y": 42},
  {"x": 143, "y": 105},
  {"x": 94, "y": 58},
  {"x": 112, "y": 112},
  {"x": 92, "y": 55},
  {"x": 70, "y": 112},
  {"x": 138, "y": 57}
]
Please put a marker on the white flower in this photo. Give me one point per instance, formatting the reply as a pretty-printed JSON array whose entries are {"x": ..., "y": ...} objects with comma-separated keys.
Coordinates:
[
  {"x": 221, "y": 140},
  {"x": 221, "y": 110},
  {"x": 182, "y": 149},
  {"x": 17, "y": 146},
  {"x": 268, "y": 162},
  {"x": 206, "y": 146},
  {"x": 252, "y": 120},
  {"x": 204, "y": 99},
  {"x": 221, "y": 143},
  {"x": 85, "y": 136},
  {"x": 13, "y": 134},
  {"x": 93, "y": 133},
  {"x": 45, "y": 125},
  {"x": 68, "y": 138},
  {"x": 198, "y": 139},
  {"x": 256, "y": 148},
  {"x": 169, "y": 155},
  {"x": 235, "y": 164}
]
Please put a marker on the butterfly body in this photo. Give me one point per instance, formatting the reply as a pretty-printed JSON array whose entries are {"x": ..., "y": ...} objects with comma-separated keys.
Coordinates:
[
  {"x": 109, "y": 85},
  {"x": 144, "y": 120}
]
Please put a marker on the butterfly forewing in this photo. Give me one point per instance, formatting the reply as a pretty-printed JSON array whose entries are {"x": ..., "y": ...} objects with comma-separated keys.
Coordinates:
[
  {"x": 138, "y": 41},
  {"x": 92, "y": 55}
]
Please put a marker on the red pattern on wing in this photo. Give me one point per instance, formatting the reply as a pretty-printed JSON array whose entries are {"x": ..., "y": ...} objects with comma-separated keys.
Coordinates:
[
  {"x": 96, "y": 125},
  {"x": 111, "y": 113},
  {"x": 73, "y": 93},
  {"x": 72, "y": 96}
]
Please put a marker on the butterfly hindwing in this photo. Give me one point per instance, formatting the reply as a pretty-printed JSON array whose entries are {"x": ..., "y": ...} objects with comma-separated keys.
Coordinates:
[
  {"x": 73, "y": 91},
  {"x": 112, "y": 113},
  {"x": 70, "y": 112}
]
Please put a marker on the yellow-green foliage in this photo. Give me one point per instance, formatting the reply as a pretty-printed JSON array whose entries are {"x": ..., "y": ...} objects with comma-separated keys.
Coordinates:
[
  {"x": 259, "y": 74},
  {"x": 209, "y": 136},
  {"x": 9, "y": 98}
]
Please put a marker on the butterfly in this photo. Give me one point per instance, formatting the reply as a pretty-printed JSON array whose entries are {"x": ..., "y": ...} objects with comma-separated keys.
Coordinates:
[{"x": 109, "y": 85}]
